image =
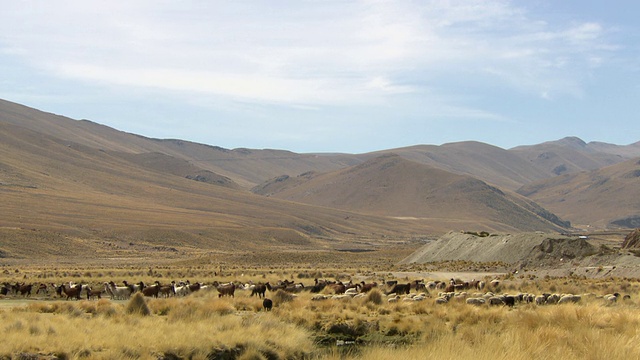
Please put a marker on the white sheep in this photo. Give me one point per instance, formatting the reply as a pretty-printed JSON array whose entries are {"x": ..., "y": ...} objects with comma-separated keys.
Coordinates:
[
  {"x": 476, "y": 301},
  {"x": 568, "y": 298},
  {"x": 496, "y": 300},
  {"x": 442, "y": 300}
]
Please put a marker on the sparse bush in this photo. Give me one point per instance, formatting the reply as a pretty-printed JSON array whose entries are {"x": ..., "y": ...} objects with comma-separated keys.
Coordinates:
[
  {"x": 374, "y": 296},
  {"x": 137, "y": 305},
  {"x": 281, "y": 297}
]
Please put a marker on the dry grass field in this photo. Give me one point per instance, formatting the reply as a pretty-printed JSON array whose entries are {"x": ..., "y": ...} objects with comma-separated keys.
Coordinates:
[
  {"x": 202, "y": 325},
  {"x": 86, "y": 204}
]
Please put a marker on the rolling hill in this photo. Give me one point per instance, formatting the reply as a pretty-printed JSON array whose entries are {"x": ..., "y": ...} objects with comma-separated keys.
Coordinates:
[
  {"x": 75, "y": 186},
  {"x": 571, "y": 155},
  {"x": 393, "y": 186},
  {"x": 606, "y": 197},
  {"x": 99, "y": 193}
]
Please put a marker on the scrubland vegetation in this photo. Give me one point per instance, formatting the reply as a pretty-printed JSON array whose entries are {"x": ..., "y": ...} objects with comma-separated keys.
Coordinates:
[{"x": 204, "y": 326}]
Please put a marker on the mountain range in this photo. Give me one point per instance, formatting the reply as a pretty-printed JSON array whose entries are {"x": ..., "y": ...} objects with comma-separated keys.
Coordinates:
[{"x": 65, "y": 180}]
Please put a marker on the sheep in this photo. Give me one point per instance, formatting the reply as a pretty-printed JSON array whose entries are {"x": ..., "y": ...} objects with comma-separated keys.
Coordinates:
[
  {"x": 509, "y": 300},
  {"x": 541, "y": 300},
  {"x": 400, "y": 289},
  {"x": 553, "y": 299},
  {"x": 151, "y": 291},
  {"x": 182, "y": 289},
  {"x": 195, "y": 287},
  {"x": 225, "y": 289},
  {"x": 318, "y": 286},
  {"x": 480, "y": 286},
  {"x": 248, "y": 286},
  {"x": 167, "y": 290},
  {"x": 612, "y": 297},
  {"x": 529, "y": 298},
  {"x": 338, "y": 288},
  {"x": 117, "y": 292},
  {"x": 71, "y": 291},
  {"x": 267, "y": 304},
  {"x": 93, "y": 293},
  {"x": 569, "y": 298},
  {"x": 23, "y": 289},
  {"x": 476, "y": 301},
  {"x": 134, "y": 287},
  {"x": 394, "y": 299},
  {"x": 294, "y": 288},
  {"x": 496, "y": 300},
  {"x": 418, "y": 285},
  {"x": 259, "y": 289},
  {"x": 364, "y": 287},
  {"x": 390, "y": 283},
  {"x": 441, "y": 300},
  {"x": 351, "y": 292},
  {"x": 43, "y": 288}
]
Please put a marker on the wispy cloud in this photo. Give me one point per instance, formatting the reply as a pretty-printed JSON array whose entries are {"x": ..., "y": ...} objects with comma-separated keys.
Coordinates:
[
  {"x": 302, "y": 53},
  {"x": 333, "y": 65}
]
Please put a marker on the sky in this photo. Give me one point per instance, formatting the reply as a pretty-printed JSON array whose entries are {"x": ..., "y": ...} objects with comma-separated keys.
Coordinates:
[{"x": 331, "y": 76}]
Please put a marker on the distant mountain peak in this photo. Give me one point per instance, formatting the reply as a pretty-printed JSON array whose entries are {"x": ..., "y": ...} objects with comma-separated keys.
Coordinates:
[{"x": 573, "y": 141}]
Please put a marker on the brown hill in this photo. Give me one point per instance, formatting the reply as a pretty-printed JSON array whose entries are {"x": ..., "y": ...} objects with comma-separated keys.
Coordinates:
[
  {"x": 122, "y": 196},
  {"x": 571, "y": 154},
  {"x": 607, "y": 197},
  {"x": 510, "y": 169},
  {"x": 69, "y": 185},
  {"x": 626, "y": 151},
  {"x": 507, "y": 169},
  {"x": 391, "y": 185},
  {"x": 489, "y": 163},
  {"x": 246, "y": 167}
]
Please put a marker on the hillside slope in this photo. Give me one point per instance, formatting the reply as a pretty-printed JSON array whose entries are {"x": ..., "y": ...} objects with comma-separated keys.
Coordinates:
[
  {"x": 60, "y": 197},
  {"x": 394, "y": 186},
  {"x": 571, "y": 154},
  {"x": 607, "y": 197},
  {"x": 507, "y": 169},
  {"x": 486, "y": 162},
  {"x": 246, "y": 167}
]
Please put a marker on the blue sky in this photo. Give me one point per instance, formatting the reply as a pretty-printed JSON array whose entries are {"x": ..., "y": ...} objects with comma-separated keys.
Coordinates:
[{"x": 331, "y": 76}]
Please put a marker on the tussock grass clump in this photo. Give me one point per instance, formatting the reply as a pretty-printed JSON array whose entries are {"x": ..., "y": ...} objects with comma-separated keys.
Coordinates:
[
  {"x": 251, "y": 354},
  {"x": 137, "y": 305},
  {"x": 197, "y": 309},
  {"x": 218, "y": 307},
  {"x": 281, "y": 297},
  {"x": 374, "y": 296},
  {"x": 105, "y": 308}
]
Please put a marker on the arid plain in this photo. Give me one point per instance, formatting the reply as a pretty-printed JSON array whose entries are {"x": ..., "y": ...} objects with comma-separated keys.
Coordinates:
[{"x": 87, "y": 206}]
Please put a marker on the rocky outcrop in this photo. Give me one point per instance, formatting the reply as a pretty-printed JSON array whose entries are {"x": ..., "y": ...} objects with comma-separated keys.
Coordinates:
[{"x": 632, "y": 241}]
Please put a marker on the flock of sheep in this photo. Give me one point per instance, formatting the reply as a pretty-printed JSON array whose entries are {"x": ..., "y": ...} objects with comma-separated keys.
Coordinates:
[{"x": 469, "y": 292}]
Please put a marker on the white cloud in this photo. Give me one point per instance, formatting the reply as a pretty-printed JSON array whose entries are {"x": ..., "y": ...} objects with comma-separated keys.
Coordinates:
[{"x": 300, "y": 53}]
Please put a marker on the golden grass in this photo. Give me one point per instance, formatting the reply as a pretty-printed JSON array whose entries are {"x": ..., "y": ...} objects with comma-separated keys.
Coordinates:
[
  {"x": 183, "y": 333},
  {"x": 202, "y": 325}
]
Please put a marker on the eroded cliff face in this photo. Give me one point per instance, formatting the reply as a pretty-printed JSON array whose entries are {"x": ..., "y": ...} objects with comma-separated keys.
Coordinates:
[{"x": 632, "y": 241}]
